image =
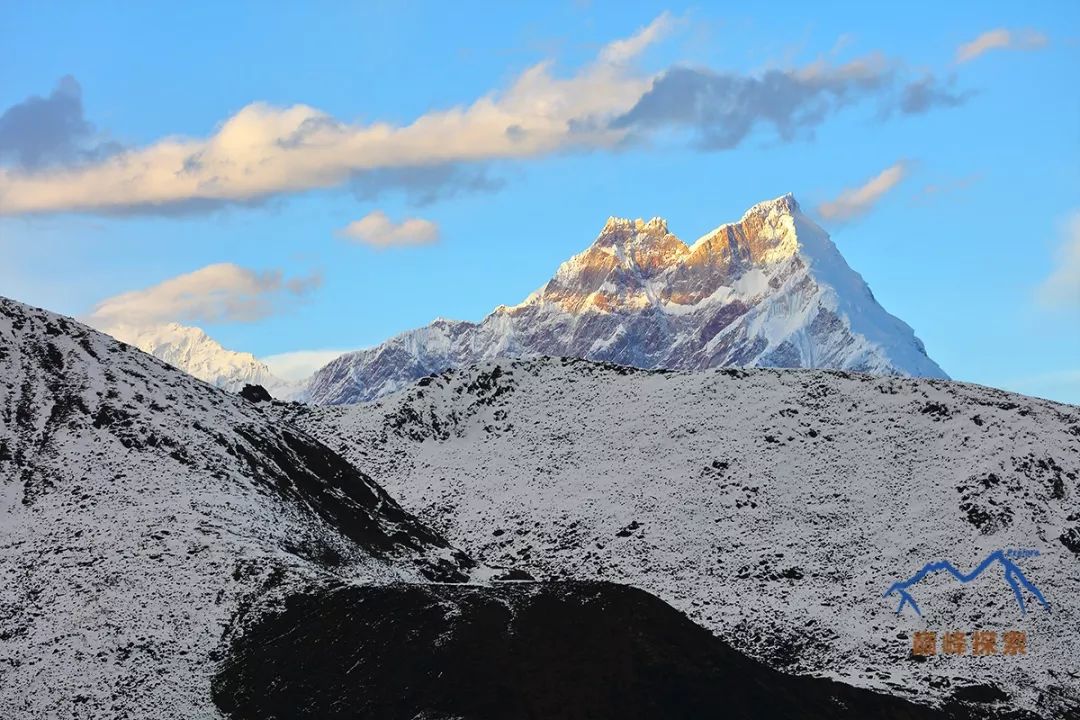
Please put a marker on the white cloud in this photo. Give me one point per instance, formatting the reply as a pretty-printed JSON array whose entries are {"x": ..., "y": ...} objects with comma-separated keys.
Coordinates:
[
  {"x": 1000, "y": 39},
  {"x": 300, "y": 364},
  {"x": 623, "y": 51},
  {"x": 378, "y": 230},
  {"x": 1062, "y": 287},
  {"x": 857, "y": 201},
  {"x": 263, "y": 150},
  {"x": 216, "y": 293}
]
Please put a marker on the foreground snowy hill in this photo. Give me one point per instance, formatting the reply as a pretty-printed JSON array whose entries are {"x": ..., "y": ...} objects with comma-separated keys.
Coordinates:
[
  {"x": 773, "y": 507},
  {"x": 140, "y": 509},
  {"x": 170, "y": 550},
  {"x": 770, "y": 290}
]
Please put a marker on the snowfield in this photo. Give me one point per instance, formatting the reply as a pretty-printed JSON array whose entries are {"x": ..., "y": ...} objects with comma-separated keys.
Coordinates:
[{"x": 774, "y": 507}]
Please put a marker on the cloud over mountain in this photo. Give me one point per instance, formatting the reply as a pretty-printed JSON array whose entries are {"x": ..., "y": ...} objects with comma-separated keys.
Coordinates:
[
  {"x": 265, "y": 150},
  {"x": 857, "y": 201},
  {"x": 1000, "y": 39},
  {"x": 300, "y": 364},
  {"x": 222, "y": 292}
]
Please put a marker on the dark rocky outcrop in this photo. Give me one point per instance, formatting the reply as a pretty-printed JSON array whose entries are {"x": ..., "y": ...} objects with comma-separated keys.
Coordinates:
[
  {"x": 255, "y": 394},
  {"x": 520, "y": 650}
]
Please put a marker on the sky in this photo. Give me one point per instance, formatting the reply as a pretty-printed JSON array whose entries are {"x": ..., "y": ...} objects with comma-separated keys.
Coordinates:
[{"x": 321, "y": 176}]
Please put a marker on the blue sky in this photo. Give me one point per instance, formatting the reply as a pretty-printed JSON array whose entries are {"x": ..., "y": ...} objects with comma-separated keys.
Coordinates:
[{"x": 968, "y": 240}]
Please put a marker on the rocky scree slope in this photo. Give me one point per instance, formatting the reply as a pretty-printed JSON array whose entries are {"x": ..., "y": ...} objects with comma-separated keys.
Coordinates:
[{"x": 774, "y": 507}]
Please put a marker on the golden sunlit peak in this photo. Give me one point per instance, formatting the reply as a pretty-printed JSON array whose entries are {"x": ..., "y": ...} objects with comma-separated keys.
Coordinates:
[
  {"x": 655, "y": 224},
  {"x": 786, "y": 203}
]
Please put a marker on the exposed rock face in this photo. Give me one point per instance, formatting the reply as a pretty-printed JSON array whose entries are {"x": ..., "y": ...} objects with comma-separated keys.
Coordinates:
[
  {"x": 255, "y": 393},
  {"x": 770, "y": 290},
  {"x": 558, "y": 651}
]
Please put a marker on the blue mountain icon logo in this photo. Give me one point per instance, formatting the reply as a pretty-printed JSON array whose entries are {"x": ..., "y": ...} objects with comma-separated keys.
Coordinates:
[{"x": 1014, "y": 576}]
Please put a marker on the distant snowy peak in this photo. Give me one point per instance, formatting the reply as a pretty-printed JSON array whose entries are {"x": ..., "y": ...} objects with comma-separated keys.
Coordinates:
[
  {"x": 190, "y": 349},
  {"x": 770, "y": 290}
]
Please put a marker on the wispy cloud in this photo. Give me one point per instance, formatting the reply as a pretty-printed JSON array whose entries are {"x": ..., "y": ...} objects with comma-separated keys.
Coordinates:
[
  {"x": 853, "y": 202},
  {"x": 223, "y": 292},
  {"x": 1062, "y": 288},
  {"x": 424, "y": 184},
  {"x": 724, "y": 108},
  {"x": 619, "y": 52},
  {"x": 301, "y": 363},
  {"x": 931, "y": 191},
  {"x": 928, "y": 92},
  {"x": 378, "y": 230},
  {"x": 1000, "y": 39}
]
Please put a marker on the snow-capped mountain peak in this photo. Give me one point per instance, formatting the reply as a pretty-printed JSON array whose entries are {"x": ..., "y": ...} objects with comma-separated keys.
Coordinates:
[
  {"x": 616, "y": 229},
  {"x": 637, "y": 263},
  {"x": 196, "y": 353},
  {"x": 769, "y": 290},
  {"x": 767, "y": 230},
  {"x": 785, "y": 203}
]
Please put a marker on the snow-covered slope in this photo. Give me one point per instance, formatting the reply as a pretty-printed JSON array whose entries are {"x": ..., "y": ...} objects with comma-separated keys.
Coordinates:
[
  {"x": 171, "y": 550},
  {"x": 196, "y": 353},
  {"x": 142, "y": 511},
  {"x": 770, "y": 290},
  {"x": 775, "y": 507}
]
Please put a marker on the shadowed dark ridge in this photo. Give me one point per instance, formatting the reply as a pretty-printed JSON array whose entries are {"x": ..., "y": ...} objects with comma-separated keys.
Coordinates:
[{"x": 551, "y": 651}]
